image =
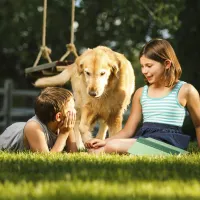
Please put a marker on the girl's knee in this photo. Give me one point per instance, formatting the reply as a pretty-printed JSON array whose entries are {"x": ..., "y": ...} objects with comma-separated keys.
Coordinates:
[
  {"x": 119, "y": 145},
  {"x": 111, "y": 147}
]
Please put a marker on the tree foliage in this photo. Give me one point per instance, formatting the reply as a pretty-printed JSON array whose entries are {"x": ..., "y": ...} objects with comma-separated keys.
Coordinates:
[
  {"x": 188, "y": 42},
  {"x": 123, "y": 25}
]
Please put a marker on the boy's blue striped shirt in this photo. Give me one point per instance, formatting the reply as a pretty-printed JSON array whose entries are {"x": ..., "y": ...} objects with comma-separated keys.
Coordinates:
[{"x": 165, "y": 110}]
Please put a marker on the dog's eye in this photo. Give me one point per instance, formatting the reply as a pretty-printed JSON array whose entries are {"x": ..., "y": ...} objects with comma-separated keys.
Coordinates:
[
  {"x": 102, "y": 73},
  {"x": 88, "y": 73}
]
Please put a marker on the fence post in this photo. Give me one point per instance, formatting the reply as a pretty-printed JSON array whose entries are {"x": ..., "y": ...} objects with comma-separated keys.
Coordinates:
[{"x": 8, "y": 86}]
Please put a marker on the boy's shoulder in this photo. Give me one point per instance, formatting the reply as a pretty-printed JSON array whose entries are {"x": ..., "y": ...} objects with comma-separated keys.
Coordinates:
[{"x": 32, "y": 124}]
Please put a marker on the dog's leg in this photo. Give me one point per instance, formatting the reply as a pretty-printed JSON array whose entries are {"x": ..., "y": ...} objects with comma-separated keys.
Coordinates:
[
  {"x": 79, "y": 142},
  {"x": 115, "y": 124},
  {"x": 102, "y": 130},
  {"x": 87, "y": 118}
]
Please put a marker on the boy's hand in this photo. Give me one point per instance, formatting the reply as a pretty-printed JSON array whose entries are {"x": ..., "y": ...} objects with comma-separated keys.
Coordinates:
[
  {"x": 68, "y": 122},
  {"x": 95, "y": 143}
]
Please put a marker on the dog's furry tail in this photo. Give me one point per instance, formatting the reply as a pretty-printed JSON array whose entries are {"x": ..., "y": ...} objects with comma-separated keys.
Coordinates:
[{"x": 57, "y": 80}]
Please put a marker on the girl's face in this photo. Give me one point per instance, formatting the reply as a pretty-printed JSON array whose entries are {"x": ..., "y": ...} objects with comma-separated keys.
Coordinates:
[{"x": 152, "y": 70}]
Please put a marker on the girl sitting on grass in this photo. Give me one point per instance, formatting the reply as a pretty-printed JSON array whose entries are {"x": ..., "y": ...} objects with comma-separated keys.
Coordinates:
[
  {"x": 161, "y": 103},
  {"x": 50, "y": 130}
]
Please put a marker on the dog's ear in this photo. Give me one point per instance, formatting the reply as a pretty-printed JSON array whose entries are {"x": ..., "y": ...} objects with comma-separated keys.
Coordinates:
[
  {"x": 79, "y": 64},
  {"x": 80, "y": 60},
  {"x": 120, "y": 65},
  {"x": 115, "y": 69}
]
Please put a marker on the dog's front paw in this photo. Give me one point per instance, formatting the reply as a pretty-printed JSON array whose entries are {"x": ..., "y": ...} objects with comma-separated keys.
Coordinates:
[
  {"x": 81, "y": 146},
  {"x": 86, "y": 137},
  {"x": 85, "y": 133}
]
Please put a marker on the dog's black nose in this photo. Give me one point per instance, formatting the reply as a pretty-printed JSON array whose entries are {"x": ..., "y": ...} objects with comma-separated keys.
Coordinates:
[{"x": 93, "y": 93}]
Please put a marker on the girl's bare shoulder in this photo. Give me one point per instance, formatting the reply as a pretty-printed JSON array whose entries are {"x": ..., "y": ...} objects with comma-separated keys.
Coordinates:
[
  {"x": 188, "y": 89},
  {"x": 138, "y": 92}
]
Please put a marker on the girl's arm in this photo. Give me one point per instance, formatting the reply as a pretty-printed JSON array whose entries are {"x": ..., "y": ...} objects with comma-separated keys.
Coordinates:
[
  {"x": 130, "y": 126},
  {"x": 133, "y": 119},
  {"x": 193, "y": 106}
]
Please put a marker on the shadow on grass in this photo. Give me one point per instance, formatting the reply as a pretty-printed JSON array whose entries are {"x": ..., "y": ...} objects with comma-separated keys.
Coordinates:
[
  {"x": 87, "y": 197},
  {"x": 33, "y": 167}
]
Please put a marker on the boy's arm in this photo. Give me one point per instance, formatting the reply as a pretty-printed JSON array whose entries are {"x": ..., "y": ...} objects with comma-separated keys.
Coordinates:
[
  {"x": 37, "y": 141},
  {"x": 35, "y": 137},
  {"x": 66, "y": 127},
  {"x": 60, "y": 142},
  {"x": 71, "y": 142}
]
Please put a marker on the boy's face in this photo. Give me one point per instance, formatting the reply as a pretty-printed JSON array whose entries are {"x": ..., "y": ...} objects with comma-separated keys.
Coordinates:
[{"x": 69, "y": 106}]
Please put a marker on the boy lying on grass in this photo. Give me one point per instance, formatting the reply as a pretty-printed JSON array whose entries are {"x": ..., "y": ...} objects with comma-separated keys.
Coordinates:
[{"x": 50, "y": 130}]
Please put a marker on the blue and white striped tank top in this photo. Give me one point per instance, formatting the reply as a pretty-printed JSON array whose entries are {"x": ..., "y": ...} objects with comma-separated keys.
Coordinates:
[{"x": 165, "y": 110}]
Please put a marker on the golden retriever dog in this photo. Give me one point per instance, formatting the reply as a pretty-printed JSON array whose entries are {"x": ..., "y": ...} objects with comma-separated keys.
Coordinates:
[{"x": 103, "y": 82}]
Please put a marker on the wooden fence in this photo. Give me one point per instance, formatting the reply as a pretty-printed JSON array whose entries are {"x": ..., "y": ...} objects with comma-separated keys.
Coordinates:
[{"x": 8, "y": 111}]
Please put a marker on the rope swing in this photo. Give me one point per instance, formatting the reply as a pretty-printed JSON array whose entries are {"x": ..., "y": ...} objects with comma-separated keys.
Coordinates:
[
  {"x": 71, "y": 47},
  {"x": 55, "y": 67},
  {"x": 44, "y": 50}
]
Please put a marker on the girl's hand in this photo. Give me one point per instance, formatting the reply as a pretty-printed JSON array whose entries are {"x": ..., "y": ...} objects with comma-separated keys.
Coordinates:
[
  {"x": 68, "y": 122},
  {"x": 95, "y": 143}
]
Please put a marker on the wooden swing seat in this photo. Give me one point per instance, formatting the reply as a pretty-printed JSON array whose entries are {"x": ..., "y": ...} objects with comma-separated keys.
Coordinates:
[
  {"x": 48, "y": 69},
  {"x": 51, "y": 68}
]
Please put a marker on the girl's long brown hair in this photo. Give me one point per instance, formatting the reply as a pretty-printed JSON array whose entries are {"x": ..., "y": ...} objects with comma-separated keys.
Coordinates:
[{"x": 161, "y": 50}]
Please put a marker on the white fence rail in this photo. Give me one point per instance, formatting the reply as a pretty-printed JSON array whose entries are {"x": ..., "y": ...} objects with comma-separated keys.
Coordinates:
[{"x": 7, "y": 111}]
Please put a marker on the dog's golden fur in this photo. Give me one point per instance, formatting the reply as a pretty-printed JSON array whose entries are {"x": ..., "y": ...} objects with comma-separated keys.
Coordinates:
[{"x": 102, "y": 82}]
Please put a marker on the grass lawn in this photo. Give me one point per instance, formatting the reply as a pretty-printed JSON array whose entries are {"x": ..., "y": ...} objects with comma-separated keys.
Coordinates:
[{"x": 84, "y": 176}]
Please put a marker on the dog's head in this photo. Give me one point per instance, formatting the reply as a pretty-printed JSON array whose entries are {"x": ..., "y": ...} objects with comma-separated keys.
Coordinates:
[{"x": 97, "y": 65}]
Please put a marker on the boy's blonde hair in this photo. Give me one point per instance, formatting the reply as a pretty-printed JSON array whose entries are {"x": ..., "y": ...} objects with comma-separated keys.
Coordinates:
[
  {"x": 50, "y": 101},
  {"x": 160, "y": 50}
]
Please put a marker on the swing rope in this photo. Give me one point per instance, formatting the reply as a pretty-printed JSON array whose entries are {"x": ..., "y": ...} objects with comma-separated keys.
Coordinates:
[
  {"x": 71, "y": 47},
  {"x": 44, "y": 50}
]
